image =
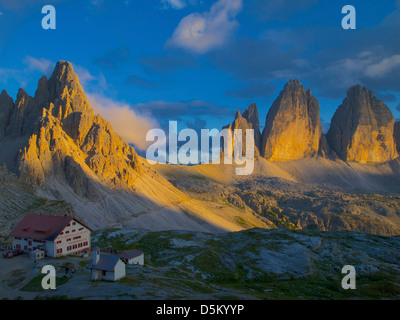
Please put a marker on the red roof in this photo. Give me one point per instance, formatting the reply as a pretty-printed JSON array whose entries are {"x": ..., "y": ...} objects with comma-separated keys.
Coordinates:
[{"x": 41, "y": 227}]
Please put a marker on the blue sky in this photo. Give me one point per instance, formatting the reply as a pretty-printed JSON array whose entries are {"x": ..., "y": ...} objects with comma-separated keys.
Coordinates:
[{"x": 149, "y": 56}]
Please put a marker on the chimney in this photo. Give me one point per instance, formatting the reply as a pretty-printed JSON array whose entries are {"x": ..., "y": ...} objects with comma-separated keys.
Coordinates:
[{"x": 95, "y": 256}]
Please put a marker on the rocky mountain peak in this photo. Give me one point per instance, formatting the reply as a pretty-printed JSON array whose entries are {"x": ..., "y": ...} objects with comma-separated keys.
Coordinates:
[
  {"x": 4, "y": 95},
  {"x": 58, "y": 133},
  {"x": 293, "y": 127},
  {"x": 64, "y": 73},
  {"x": 362, "y": 128},
  {"x": 251, "y": 115},
  {"x": 65, "y": 91},
  {"x": 293, "y": 85},
  {"x": 249, "y": 120},
  {"x": 238, "y": 115}
]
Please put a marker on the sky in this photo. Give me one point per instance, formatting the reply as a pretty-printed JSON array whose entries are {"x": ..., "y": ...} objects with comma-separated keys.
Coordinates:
[{"x": 143, "y": 63}]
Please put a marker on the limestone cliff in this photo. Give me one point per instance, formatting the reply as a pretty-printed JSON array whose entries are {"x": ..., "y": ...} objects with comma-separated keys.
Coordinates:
[
  {"x": 293, "y": 127},
  {"x": 362, "y": 129},
  {"x": 249, "y": 120},
  {"x": 6, "y": 107},
  {"x": 397, "y": 135},
  {"x": 59, "y": 125}
]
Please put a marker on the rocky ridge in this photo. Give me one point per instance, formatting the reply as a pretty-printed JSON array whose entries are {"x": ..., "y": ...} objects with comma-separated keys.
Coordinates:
[{"x": 55, "y": 142}]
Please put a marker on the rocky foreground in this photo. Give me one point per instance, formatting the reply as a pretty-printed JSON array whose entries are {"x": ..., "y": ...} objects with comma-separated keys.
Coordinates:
[{"x": 254, "y": 264}]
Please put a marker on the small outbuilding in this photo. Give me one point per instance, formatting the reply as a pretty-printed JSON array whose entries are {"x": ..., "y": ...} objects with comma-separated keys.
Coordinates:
[
  {"x": 37, "y": 254},
  {"x": 106, "y": 267},
  {"x": 135, "y": 257}
]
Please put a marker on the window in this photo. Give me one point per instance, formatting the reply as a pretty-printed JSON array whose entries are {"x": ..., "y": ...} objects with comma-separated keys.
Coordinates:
[{"x": 73, "y": 223}]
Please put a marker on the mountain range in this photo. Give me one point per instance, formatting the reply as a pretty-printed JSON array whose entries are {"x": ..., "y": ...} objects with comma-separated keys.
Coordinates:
[
  {"x": 362, "y": 129},
  {"x": 57, "y": 149}
]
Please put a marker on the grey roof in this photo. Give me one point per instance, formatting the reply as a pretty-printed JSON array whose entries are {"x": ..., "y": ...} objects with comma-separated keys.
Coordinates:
[
  {"x": 106, "y": 263},
  {"x": 130, "y": 254}
]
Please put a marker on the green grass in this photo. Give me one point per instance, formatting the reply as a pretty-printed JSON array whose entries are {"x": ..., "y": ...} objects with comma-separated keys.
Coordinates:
[
  {"x": 35, "y": 285},
  {"x": 16, "y": 277}
]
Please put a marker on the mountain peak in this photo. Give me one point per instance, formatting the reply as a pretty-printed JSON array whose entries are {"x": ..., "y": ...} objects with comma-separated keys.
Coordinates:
[
  {"x": 362, "y": 128},
  {"x": 64, "y": 74},
  {"x": 294, "y": 84},
  {"x": 251, "y": 114},
  {"x": 293, "y": 127},
  {"x": 63, "y": 67},
  {"x": 4, "y": 94},
  {"x": 238, "y": 115}
]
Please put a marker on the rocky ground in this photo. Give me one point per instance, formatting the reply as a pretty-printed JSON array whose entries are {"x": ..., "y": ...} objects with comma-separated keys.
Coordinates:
[
  {"x": 254, "y": 264},
  {"x": 315, "y": 193},
  {"x": 18, "y": 199}
]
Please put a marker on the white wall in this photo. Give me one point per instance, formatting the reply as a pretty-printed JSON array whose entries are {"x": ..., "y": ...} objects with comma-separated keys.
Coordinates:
[
  {"x": 137, "y": 260},
  {"x": 119, "y": 270},
  {"x": 69, "y": 232}
]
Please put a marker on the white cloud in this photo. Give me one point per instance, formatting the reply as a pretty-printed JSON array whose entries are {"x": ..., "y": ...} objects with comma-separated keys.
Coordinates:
[
  {"x": 174, "y": 4},
  {"x": 43, "y": 65},
  {"x": 202, "y": 32},
  {"x": 129, "y": 125},
  {"x": 84, "y": 75},
  {"x": 383, "y": 67}
]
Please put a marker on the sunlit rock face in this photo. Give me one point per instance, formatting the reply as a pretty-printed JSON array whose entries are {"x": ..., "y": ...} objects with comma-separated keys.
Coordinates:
[
  {"x": 362, "y": 129},
  {"x": 61, "y": 136},
  {"x": 293, "y": 127}
]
